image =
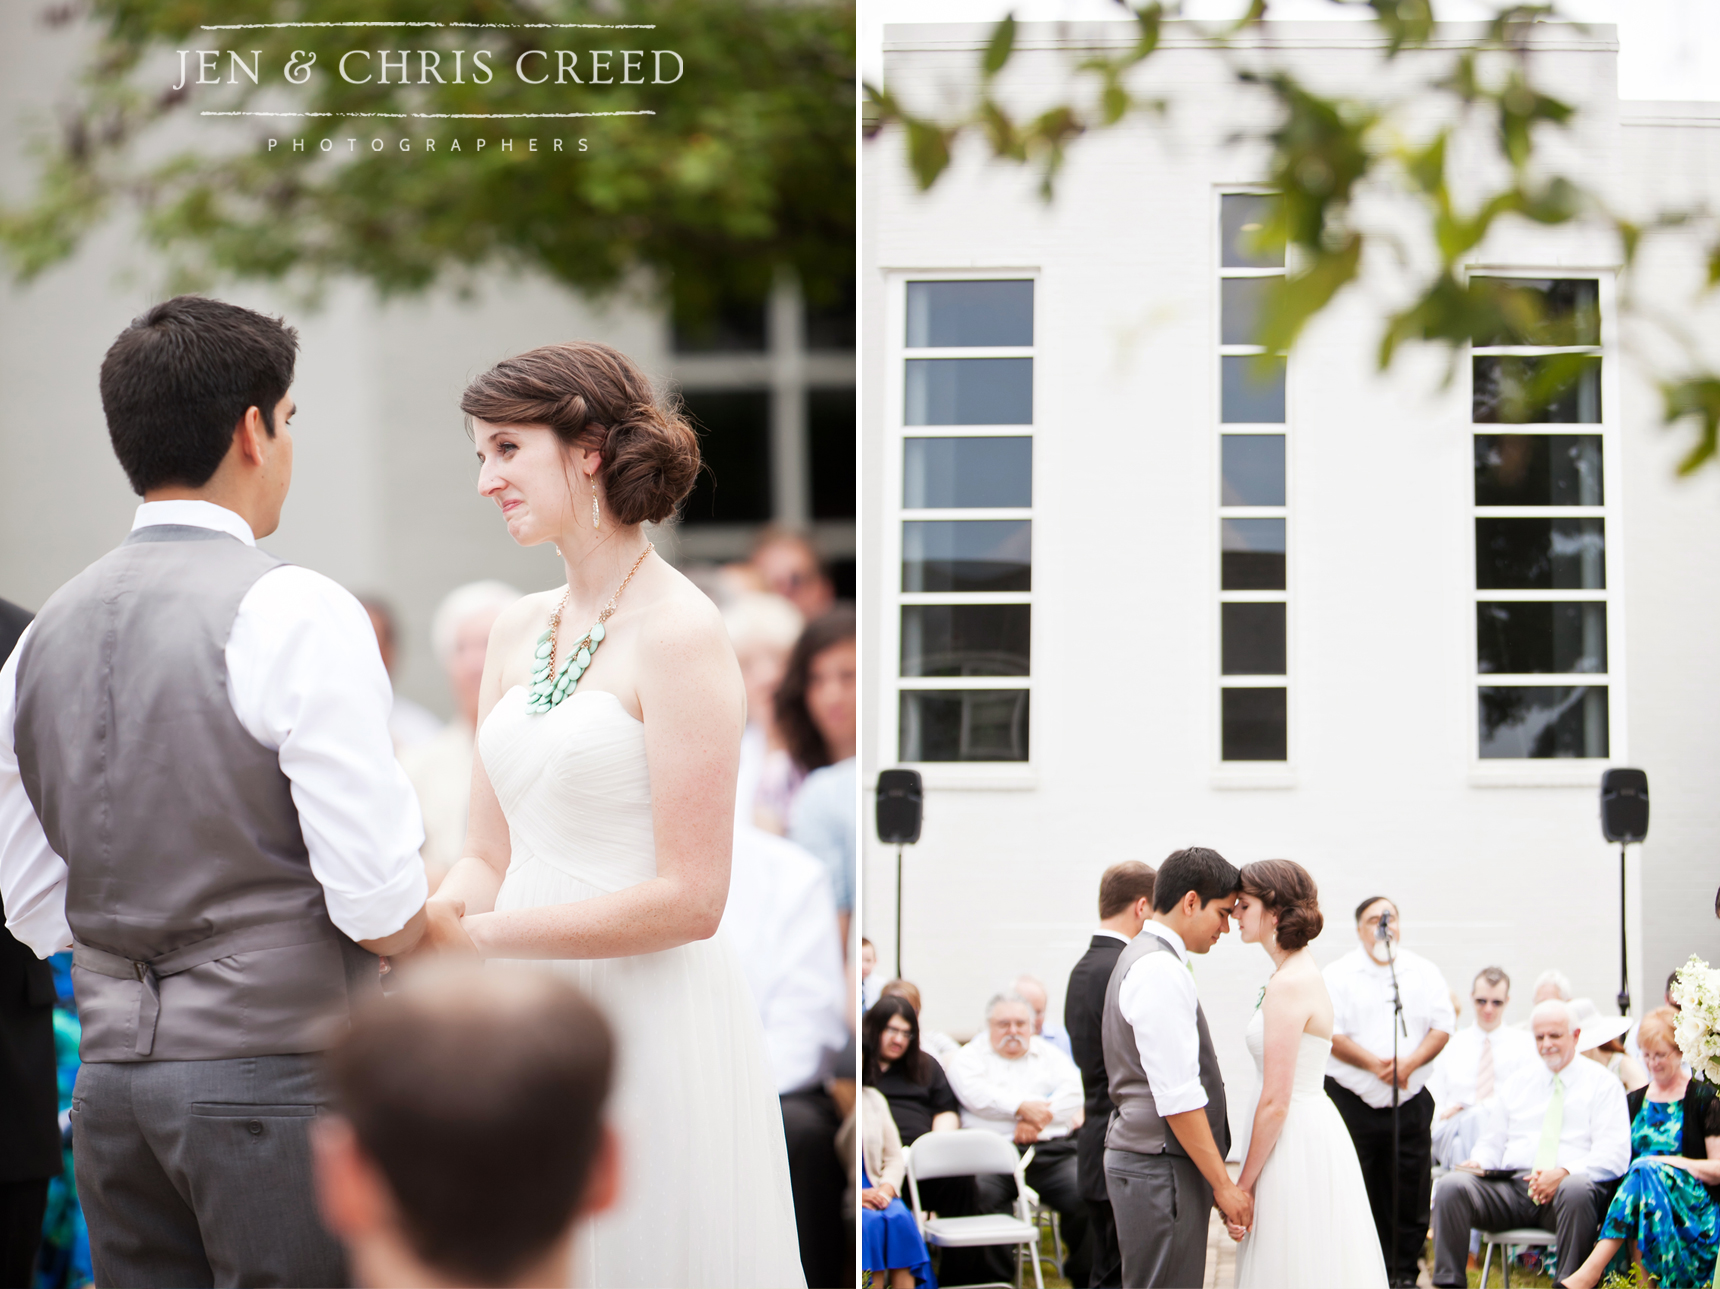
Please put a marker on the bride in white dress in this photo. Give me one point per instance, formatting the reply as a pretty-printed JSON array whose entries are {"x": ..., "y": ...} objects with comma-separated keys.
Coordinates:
[
  {"x": 602, "y": 817},
  {"x": 1312, "y": 1224}
]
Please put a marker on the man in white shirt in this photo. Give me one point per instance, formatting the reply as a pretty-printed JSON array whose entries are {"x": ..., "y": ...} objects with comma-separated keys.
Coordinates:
[
  {"x": 1477, "y": 1061},
  {"x": 1019, "y": 1086},
  {"x": 223, "y": 718},
  {"x": 1558, "y": 1132},
  {"x": 1032, "y": 988},
  {"x": 1360, "y": 1078}
]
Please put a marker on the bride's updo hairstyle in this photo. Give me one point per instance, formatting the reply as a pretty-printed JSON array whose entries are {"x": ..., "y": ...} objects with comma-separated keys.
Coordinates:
[
  {"x": 594, "y": 398},
  {"x": 1285, "y": 888}
]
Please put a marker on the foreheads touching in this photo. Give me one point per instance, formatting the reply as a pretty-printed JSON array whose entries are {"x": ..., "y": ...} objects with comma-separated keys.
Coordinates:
[{"x": 1195, "y": 893}]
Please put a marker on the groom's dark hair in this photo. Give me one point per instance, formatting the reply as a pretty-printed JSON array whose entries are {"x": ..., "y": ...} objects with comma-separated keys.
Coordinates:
[
  {"x": 1205, "y": 872},
  {"x": 179, "y": 379}
]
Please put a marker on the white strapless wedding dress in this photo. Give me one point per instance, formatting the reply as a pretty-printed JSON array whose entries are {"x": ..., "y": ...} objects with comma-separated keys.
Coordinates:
[
  {"x": 705, "y": 1189},
  {"x": 1313, "y": 1228}
]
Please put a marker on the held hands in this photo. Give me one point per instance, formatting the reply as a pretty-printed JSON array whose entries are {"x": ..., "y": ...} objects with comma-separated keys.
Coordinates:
[
  {"x": 444, "y": 933},
  {"x": 1237, "y": 1205}
]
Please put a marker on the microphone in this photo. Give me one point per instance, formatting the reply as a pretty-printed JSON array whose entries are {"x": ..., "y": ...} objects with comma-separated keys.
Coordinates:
[{"x": 1383, "y": 932}]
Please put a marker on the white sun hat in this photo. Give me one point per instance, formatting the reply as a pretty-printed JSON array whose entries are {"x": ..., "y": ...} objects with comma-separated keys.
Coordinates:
[{"x": 1595, "y": 1028}]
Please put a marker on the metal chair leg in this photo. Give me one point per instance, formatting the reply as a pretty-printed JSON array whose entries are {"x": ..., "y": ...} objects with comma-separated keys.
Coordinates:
[
  {"x": 1486, "y": 1261},
  {"x": 1505, "y": 1264},
  {"x": 1057, "y": 1238}
]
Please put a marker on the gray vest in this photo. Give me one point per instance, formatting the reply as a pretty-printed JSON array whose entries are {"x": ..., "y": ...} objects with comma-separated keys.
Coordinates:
[
  {"x": 1135, "y": 1122},
  {"x": 199, "y": 931}
]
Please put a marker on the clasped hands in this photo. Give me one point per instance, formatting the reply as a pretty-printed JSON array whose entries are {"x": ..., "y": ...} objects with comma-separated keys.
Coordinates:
[
  {"x": 1031, "y": 1118},
  {"x": 1237, "y": 1205},
  {"x": 878, "y": 1196},
  {"x": 1387, "y": 1071},
  {"x": 443, "y": 934},
  {"x": 1543, "y": 1182}
]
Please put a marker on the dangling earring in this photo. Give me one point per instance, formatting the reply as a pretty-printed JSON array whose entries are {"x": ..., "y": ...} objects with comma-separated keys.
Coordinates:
[{"x": 594, "y": 503}]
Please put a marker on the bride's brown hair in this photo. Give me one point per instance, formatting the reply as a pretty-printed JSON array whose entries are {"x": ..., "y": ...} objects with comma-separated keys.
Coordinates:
[{"x": 1284, "y": 887}]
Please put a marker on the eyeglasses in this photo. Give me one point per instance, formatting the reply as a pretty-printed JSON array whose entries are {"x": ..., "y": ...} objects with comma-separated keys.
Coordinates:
[{"x": 900, "y": 1031}]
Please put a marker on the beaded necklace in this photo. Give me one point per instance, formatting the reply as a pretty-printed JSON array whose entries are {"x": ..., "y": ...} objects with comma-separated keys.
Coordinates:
[{"x": 549, "y": 686}]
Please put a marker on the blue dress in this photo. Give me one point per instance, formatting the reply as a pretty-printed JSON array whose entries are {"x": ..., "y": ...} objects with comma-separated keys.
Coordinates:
[
  {"x": 890, "y": 1238},
  {"x": 1665, "y": 1209}
]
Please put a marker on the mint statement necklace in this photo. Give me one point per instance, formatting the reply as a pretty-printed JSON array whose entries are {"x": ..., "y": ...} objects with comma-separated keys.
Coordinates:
[{"x": 550, "y": 686}]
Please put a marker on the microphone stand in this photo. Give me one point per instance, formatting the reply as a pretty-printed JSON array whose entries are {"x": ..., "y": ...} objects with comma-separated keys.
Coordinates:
[{"x": 1385, "y": 934}]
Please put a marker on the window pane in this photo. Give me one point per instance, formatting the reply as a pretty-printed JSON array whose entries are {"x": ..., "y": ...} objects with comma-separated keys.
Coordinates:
[
  {"x": 948, "y": 314},
  {"x": 1543, "y": 721},
  {"x": 1253, "y": 470},
  {"x": 1545, "y": 311},
  {"x": 940, "y": 474},
  {"x": 1241, "y": 217},
  {"x": 731, "y": 326},
  {"x": 734, "y": 440},
  {"x": 1538, "y": 470},
  {"x": 965, "y": 639},
  {"x": 1243, "y": 304},
  {"x": 1540, "y": 554},
  {"x": 1253, "y": 642},
  {"x": 829, "y": 324},
  {"x": 967, "y": 555},
  {"x": 964, "y": 725},
  {"x": 1252, "y": 396},
  {"x": 1256, "y": 725},
  {"x": 830, "y": 433},
  {"x": 1556, "y": 390},
  {"x": 970, "y": 391},
  {"x": 1541, "y": 636},
  {"x": 1251, "y": 554}
]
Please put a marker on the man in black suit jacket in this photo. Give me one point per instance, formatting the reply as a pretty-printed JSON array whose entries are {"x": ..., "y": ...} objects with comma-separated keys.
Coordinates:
[
  {"x": 1125, "y": 902},
  {"x": 29, "y": 1095}
]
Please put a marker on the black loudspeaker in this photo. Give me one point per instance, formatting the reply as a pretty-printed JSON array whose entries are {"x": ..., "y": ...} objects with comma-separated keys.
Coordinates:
[
  {"x": 1624, "y": 805},
  {"x": 899, "y": 798}
]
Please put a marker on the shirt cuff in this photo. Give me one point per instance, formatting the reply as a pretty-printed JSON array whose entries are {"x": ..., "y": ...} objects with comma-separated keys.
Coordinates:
[
  {"x": 43, "y": 929},
  {"x": 1178, "y": 1099},
  {"x": 385, "y": 910}
]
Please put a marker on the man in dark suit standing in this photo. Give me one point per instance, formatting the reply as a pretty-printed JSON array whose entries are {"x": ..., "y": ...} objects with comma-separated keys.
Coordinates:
[
  {"x": 29, "y": 1095},
  {"x": 1125, "y": 902}
]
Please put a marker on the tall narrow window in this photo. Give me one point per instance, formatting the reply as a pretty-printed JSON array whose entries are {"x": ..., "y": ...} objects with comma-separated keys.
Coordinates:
[
  {"x": 965, "y": 602},
  {"x": 1541, "y": 526},
  {"x": 1253, "y": 594}
]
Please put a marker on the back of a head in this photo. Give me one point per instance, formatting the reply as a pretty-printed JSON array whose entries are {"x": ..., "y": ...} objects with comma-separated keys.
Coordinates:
[
  {"x": 1205, "y": 872},
  {"x": 902, "y": 989},
  {"x": 176, "y": 383},
  {"x": 1122, "y": 884},
  {"x": 488, "y": 596},
  {"x": 479, "y": 1095},
  {"x": 1288, "y": 889}
]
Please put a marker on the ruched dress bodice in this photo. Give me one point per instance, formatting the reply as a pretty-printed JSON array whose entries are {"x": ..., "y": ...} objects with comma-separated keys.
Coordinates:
[
  {"x": 705, "y": 1197},
  {"x": 1310, "y": 1060}
]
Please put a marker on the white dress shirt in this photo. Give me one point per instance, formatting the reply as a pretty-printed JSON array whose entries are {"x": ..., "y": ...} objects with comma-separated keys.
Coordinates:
[
  {"x": 1452, "y": 1081},
  {"x": 1158, "y": 999},
  {"x": 305, "y": 679},
  {"x": 1594, "y": 1140},
  {"x": 782, "y": 923},
  {"x": 1361, "y": 992},
  {"x": 991, "y": 1087}
]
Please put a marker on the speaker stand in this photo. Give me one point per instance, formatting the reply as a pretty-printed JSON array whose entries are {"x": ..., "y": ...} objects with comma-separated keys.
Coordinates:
[
  {"x": 898, "y": 912},
  {"x": 1623, "y": 962}
]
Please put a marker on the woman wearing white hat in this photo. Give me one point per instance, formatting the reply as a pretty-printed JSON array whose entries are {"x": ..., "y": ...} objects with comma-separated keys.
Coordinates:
[{"x": 1601, "y": 1039}]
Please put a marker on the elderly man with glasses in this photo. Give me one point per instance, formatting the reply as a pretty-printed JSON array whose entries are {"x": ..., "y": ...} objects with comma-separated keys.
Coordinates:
[{"x": 1474, "y": 1065}]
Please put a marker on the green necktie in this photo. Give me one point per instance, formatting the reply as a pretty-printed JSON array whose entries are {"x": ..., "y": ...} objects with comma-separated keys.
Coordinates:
[{"x": 1552, "y": 1125}]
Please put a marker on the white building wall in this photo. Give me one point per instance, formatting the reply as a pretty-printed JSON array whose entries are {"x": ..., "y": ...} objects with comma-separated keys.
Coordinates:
[{"x": 1382, "y": 793}]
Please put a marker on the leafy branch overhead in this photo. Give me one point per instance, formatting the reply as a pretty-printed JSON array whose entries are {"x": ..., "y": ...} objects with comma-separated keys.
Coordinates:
[
  {"x": 746, "y": 166},
  {"x": 1326, "y": 152}
]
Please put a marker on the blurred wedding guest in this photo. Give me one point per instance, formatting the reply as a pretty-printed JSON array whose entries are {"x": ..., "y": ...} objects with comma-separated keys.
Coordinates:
[
  {"x": 1360, "y": 1073},
  {"x": 1602, "y": 1042},
  {"x": 1125, "y": 903},
  {"x": 893, "y": 1253},
  {"x": 1562, "y": 1128},
  {"x": 1632, "y": 1045},
  {"x": 1032, "y": 988},
  {"x": 29, "y": 1095},
  {"x": 788, "y": 565},
  {"x": 762, "y": 628},
  {"x": 1474, "y": 1065},
  {"x": 1666, "y": 1205},
  {"x": 1021, "y": 1087},
  {"x": 470, "y": 1135},
  {"x": 409, "y": 723},
  {"x": 441, "y": 768},
  {"x": 934, "y": 1043},
  {"x": 779, "y": 918},
  {"x": 869, "y": 982},
  {"x": 816, "y": 712},
  {"x": 1552, "y": 983}
]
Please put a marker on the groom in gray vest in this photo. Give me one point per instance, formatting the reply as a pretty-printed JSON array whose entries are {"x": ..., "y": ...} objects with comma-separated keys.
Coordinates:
[
  {"x": 1169, "y": 1133},
  {"x": 198, "y": 797}
]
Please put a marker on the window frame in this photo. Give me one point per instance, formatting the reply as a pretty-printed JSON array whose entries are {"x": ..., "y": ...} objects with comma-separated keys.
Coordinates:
[{"x": 950, "y": 774}]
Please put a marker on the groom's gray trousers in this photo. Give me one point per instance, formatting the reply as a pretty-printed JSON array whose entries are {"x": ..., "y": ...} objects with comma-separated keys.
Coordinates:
[
  {"x": 1161, "y": 1204},
  {"x": 198, "y": 1173},
  {"x": 1462, "y": 1200}
]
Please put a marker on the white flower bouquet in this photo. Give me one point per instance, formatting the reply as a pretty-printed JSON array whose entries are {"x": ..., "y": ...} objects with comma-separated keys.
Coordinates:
[{"x": 1697, "y": 993}]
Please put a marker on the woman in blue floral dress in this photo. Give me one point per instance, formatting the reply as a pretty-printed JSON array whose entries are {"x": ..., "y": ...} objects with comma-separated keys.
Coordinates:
[{"x": 1666, "y": 1204}]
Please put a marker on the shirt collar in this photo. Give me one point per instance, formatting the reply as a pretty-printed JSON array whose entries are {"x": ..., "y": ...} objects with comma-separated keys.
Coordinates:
[
  {"x": 1115, "y": 935},
  {"x": 1169, "y": 936},
  {"x": 194, "y": 514}
]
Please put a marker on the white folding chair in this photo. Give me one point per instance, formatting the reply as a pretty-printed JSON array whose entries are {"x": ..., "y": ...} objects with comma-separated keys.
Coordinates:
[
  {"x": 1506, "y": 1241},
  {"x": 973, "y": 1152},
  {"x": 1046, "y": 1218}
]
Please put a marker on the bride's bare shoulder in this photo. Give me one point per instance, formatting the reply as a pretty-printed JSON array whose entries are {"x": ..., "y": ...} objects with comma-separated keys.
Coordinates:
[
  {"x": 524, "y": 617},
  {"x": 684, "y": 625}
]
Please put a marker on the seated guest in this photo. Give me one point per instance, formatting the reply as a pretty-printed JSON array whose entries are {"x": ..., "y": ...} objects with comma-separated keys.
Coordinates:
[
  {"x": 934, "y": 1043},
  {"x": 1033, "y": 989},
  {"x": 1631, "y": 1043},
  {"x": 892, "y": 1250},
  {"x": 470, "y": 1134},
  {"x": 1602, "y": 1042},
  {"x": 1562, "y": 1130},
  {"x": 1019, "y": 1086},
  {"x": 1552, "y": 983},
  {"x": 1666, "y": 1203},
  {"x": 870, "y": 982},
  {"x": 1477, "y": 1061}
]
